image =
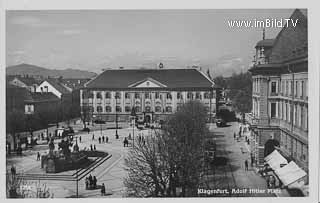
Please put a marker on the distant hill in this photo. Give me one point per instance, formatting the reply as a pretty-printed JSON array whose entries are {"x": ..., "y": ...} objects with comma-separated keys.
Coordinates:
[{"x": 32, "y": 70}]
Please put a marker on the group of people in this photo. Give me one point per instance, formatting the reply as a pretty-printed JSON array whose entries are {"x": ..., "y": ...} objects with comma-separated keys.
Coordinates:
[
  {"x": 91, "y": 182},
  {"x": 103, "y": 139},
  {"x": 93, "y": 147}
]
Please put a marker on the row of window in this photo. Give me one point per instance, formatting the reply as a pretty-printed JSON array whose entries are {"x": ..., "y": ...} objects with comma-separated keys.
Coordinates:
[
  {"x": 128, "y": 109},
  {"x": 282, "y": 110},
  {"x": 298, "y": 88},
  {"x": 295, "y": 148},
  {"x": 127, "y": 95}
]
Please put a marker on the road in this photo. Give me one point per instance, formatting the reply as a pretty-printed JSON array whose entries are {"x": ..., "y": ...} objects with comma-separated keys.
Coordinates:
[{"x": 229, "y": 171}]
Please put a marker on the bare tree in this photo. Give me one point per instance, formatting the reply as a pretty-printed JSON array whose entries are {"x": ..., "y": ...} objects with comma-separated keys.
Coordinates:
[{"x": 172, "y": 158}]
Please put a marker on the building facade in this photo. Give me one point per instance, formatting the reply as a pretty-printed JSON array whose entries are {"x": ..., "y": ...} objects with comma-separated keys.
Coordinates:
[
  {"x": 153, "y": 93},
  {"x": 280, "y": 93}
]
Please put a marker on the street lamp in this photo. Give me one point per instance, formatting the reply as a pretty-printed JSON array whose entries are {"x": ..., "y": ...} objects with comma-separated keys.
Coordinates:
[
  {"x": 133, "y": 114},
  {"x": 117, "y": 136}
]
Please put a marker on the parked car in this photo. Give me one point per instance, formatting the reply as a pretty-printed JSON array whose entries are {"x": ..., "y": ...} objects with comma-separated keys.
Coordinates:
[{"x": 221, "y": 122}]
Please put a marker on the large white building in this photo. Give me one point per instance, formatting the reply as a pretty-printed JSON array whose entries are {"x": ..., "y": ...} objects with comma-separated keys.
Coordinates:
[
  {"x": 280, "y": 93},
  {"x": 153, "y": 93}
]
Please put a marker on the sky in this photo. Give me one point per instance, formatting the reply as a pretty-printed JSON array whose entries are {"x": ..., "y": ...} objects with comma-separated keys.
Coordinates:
[{"x": 98, "y": 39}]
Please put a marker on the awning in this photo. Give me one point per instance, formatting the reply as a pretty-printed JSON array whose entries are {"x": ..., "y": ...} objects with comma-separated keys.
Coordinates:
[
  {"x": 275, "y": 160},
  {"x": 290, "y": 173}
]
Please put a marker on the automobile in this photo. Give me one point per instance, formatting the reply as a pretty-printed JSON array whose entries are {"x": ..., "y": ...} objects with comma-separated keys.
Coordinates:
[{"x": 221, "y": 122}]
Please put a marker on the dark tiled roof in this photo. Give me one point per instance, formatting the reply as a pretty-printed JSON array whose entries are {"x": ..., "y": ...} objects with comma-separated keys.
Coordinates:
[
  {"x": 58, "y": 86},
  {"x": 172, "y": 78},
  {"x": 42, "y": 97},
  {"x": 265, "y": 43}
]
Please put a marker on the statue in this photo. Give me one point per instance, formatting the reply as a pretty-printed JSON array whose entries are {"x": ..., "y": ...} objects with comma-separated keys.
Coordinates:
[
  {"x": 64, "y": 146},
  {"x": 51, "y": 147}
]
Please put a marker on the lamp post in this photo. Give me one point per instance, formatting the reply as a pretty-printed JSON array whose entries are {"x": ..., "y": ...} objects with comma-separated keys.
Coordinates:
[
  {"x": 133, "y": 114},
  {"x": 117, "y": 136}
]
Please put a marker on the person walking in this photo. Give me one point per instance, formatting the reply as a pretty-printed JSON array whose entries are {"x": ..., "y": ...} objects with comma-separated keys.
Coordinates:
[
  {"x": 99, "y": 139},
  {"x": 87, "y": 183},
  {"x": 91, "y": 147},
  {"x": 80, "y": 139},
  {"x": 13, "y": 171},
  {"x": 92, "y": 136},
  {"x": 94, "y": 147},
  {"x": 38, "y": 156},
  {"x": 102, "y": 138},
  {"x": 234, "y": 135},
  {"x": 246, "y": 165},
  {"x": 107, "y": 139},
  {"x": 103, "y": 190},
  {"x": 94, "y": 182}
]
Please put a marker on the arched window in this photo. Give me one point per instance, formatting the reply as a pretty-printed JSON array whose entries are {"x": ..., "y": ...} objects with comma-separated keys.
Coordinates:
[
  {"x": 178, "y": 108},
  {"x": 158, "y": 109},
  {"x": 108, "y": 95},
  {"x": 169, "y": 96},
  {"x": 99, "y": 96},
  {"x": 138, "y": 109},
  {"x": 190, "y": 95},
  {"x": 127, "y": 95},
  {"x": 117, "y": 95},
  {"x": 99, "y": 109},
  {"x": 169, "y": 109},
  {"x": 127, "y": 109},
  {"x": 148, "y": 108},
  {"x": 108, "y": 109},
  {"x": 136, "y": 95},
  {"x": 179, "y": 95},
  {"x": 198, "y": 96},
  {"x": 91, "y": 95},
  {"x": 118, "y": 109},
  {"x": 147, "y": 95},
  {"x": 148, "y": 103},
  {"x": 206, "y": 95}
]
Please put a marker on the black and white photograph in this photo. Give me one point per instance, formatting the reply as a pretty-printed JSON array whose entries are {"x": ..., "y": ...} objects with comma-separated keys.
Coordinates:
[{"x": 138, "y": 103}]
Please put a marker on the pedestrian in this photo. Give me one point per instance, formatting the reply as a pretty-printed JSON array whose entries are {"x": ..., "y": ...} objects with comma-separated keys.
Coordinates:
[
  {"x": 94, "y": 147},
  {"x": 103, "y": 190},
  {"x": 13, "y": 170},
  {"x": 99, "y": 139},
  {"x": 246, "y": 165},
  {"x": 129, "y": 136},
  {"x": 234, "y": 135},
  {"x": 92, "y": 136},
  {"x": 91, "y": 147},
  {"x": 102, "y": 138},
  {"x": 38, "y": 156},
  {"x": 125, "y": 142},
  {"x": 268, "y": 181},
  {"x": 80, "y": 139},
  {"x": 87, "y": 183},
  {"x": 94, "y": 182},
  {"x": 90, "y": 181},
  {"x": 107, "y": 139}
]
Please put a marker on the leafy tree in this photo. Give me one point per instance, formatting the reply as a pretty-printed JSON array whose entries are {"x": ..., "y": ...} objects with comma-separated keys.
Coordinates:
[{"x": 171, "y": 158}]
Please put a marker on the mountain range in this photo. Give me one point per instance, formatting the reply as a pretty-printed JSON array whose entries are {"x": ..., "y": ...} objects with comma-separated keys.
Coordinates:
[{"x": 32, "y": 70}]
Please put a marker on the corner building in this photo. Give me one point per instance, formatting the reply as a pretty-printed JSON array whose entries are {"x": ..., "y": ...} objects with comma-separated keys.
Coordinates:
[
  {"x": 280, "y": 93},
  {"x": 154, "y": 93}
]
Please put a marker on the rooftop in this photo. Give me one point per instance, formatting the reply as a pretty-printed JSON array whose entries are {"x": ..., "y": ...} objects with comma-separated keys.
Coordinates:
[
  {"x": 42, "y": 97},
  {"x": 170, "y": 78}
]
